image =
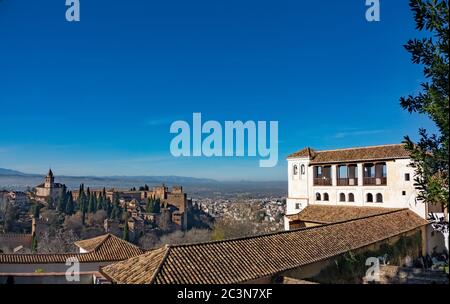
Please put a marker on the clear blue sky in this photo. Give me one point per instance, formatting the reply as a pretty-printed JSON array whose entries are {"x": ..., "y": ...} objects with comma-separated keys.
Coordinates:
[{"x": 97, "y": 97}]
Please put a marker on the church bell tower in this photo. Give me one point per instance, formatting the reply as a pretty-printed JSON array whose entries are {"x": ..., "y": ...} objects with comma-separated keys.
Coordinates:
[{"x": 49, "y": 179}]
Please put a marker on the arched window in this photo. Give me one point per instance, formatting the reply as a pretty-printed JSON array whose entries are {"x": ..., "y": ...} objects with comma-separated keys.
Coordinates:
[
  {"x": 342, "y": 197},
  {"x": 351, "y": 197},
  {"x": 318, "y": 197},
  {"x": 295, "y": 169},
  {"x": 379, "y": 198},
  {"x": 369, "y": 198},
  {"x": 302, "y": 169},
  {"x": 326, "y": 197}
]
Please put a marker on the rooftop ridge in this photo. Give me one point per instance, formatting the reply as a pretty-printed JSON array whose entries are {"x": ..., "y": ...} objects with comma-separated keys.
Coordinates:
[
  {"x": 338, "y": 253},
  {"x": 110, "y": 235},
  {"x": 360, "y": 147},
  {"x": 285, "y": 231},
  {"x": 233, "y": 261},
  {"x": 116, "y": 250},
  {"x": 15, "y": 235},
  {"x": 103, "y": 238},
  {"x": 160, "y": 265}
]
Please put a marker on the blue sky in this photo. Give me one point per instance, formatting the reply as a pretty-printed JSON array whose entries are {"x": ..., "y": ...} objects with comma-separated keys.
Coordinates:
[{"x": 97, "y": 97}]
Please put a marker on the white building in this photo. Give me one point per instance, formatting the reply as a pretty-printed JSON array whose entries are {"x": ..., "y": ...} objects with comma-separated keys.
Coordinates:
[{"x": 376, "y": 176}]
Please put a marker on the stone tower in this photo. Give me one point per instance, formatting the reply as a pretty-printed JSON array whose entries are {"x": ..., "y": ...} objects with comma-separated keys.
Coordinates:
[{"x": 49, "y": 179}]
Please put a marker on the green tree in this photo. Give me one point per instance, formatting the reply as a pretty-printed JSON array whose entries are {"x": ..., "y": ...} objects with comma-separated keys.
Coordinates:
[
  {"x": 125, "y": 228},
  {"x": 80, "y": 199},
  {"x": 108, "y": 207},
  {"x": 92, "y": 203},
  {"x": 100, "y": 201},
  {"x": 70, "y": 205},
  {"x": 35, "y": 208},
  {"x": 50, "y": 202},
  {"x": 150, "y": 205},
  {"x": 126, "y": 232},
  {"x": 34, "y": 243},
  {"x": 61, "y": 202},
  {"x": 430, "y": 154}
]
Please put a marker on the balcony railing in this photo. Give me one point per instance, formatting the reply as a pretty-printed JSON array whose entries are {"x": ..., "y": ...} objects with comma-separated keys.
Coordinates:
[
  {"x": 322, "y": 181},
  {"x": 347, "y": 181},
  {"x": 369, "y": 181}
]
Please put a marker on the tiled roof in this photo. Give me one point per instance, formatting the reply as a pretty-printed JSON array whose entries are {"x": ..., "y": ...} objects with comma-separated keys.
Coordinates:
[
  {"x": 13, "y": 240},
  {"x": 108, "y": 248},
  {"x": 326, "y": 214},
  {"x": 306, "y": 152},
  {"x": 384, "y": 152},
  {"x": 140, "y": 269},
  {"x": 251, "y": 258},
  {"x": 92, "y": 244}
]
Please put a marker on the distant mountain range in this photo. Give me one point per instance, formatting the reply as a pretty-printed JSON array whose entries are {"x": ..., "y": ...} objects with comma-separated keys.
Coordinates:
[
  {"x": 135, "y": 180},
  {"x": 16, "y": 180},
  {"x": 11, "y": 172}
]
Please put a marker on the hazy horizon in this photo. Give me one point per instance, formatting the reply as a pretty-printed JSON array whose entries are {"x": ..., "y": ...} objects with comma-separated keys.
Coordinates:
[{"x": 97, "y": 97}]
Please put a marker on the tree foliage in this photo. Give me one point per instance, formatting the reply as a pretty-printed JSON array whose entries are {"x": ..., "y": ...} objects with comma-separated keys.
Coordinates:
[{"x": 430, "y": 154}]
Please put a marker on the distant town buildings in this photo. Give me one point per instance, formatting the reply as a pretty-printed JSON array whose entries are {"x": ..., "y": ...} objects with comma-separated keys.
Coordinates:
[{"x": 174, "y": 202}]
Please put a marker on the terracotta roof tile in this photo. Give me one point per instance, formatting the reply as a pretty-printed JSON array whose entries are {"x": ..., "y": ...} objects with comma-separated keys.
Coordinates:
[
  {"x": 13, "y": 240},
  {"x": 384, "y": 152},
  {"x": 326, "y": 214},
  {"x": 111, "y": 249},
  {"x": 247, "y": 259},
  {"x": 92, "y": 244}
]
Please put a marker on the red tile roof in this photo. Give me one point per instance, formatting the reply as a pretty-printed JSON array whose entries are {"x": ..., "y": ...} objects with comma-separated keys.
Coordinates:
[
  {"x": 326, "y": 214},
  {"x": 107, "y": 248},
  {"x": 13, "y": 240},
  {"x": 385, "y": 152},
  {"x": 246, "y": 259}
]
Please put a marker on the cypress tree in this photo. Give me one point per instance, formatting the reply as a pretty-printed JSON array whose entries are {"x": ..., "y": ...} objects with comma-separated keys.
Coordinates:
[
  {"x": 100, "y": 202},
  {"x": 92, "y": 203},
  {"x": 35, "y": 210},
  {"x": 80, "y": 197},
  {"x": 157, "y": 206},
  {"x": 108, "y": 207},
  {"x": 125, "y": 229},
  {"x": 150, "y": 207},
  {"x": 34, "y": 243},
  {"x": 70, "y": 206}
]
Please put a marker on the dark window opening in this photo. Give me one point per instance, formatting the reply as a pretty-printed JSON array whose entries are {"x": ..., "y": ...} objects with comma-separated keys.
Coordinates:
[
  {"x": 351, "y": 197},
  {"x": 302, "y": 169},
  {"x": 379, "y": 198}
]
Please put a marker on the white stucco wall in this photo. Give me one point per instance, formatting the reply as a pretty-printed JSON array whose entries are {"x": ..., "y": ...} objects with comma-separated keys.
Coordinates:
[{"x": 398, "y": 193}]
